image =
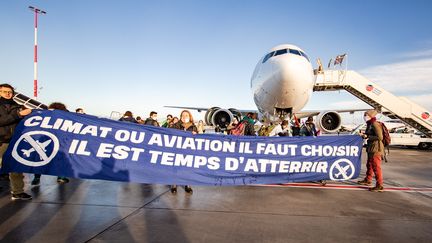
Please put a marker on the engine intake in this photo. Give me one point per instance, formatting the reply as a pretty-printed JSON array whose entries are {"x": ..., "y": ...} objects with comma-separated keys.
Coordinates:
[
  {"x": 221, "y": 118},
  {"x": 329, "y": 121}
]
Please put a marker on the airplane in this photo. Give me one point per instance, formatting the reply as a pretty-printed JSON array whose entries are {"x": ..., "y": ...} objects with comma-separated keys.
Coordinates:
[
  {"x": 282, "y": 83},
  {"x": 343, "y": 171},
  {"x": 43, "y": 146}
]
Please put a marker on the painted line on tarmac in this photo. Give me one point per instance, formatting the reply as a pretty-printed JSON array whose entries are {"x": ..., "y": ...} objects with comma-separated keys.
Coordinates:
[{"x": 351, "y": 187}]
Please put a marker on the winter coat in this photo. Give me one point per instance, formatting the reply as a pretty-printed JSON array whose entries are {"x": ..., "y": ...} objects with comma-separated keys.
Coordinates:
[
  {"x": 375, "y": 145},
  {"x": 128, "y": 119},
  {"x": 179, "y": 125},
  {"x": 9, "y": 118},
  {"x": 151, "y": 121}
]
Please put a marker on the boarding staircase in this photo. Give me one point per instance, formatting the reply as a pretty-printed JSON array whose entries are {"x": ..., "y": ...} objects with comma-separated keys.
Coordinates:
[{"x": 377, "y": 97}]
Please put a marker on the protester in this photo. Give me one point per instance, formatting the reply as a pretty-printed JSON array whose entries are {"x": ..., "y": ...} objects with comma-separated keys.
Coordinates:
[
  {"x": 128, "y": 117},
  {"x": 266, "y": 129},
  {"x": 249, "y": 124},
  {"x": 60, "y": 179},
  {"x": 152, "y": 120},
  {"x": 168, "y": 120},
  {"x": 233, "y": 124},
  {"x": 245, "y": 127},
  {"x": 173, "y": 121},
  {"x": 140, "y": 120},
  {"x": 80, "y": 111},
  {"x": 309, "y": 128},
  {"x": 281, "y": 130},
  {"x": 374, "y": 149},
  {"x": 200, "y": 127},
  {"x": 296, "y": 127},
  {"x": 185, "y": 123},
  {"x": 10, "y": 115}
]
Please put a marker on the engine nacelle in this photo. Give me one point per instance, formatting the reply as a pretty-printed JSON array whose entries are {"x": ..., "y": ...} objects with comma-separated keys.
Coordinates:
[
  {"x": 221, "y": 118},
  {"x": 328, "y": 121},
  {"x": 209, "y": 114}
]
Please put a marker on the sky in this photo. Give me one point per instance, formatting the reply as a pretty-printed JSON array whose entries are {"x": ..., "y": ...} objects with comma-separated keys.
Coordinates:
[{"x": 107, "y": 56}]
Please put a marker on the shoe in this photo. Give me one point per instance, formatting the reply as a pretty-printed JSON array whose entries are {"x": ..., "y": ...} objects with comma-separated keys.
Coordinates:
[
  {"x": 4, "y": 177},
  {"x": 173, "y": 189},
  {"x": 62, "y": 180},
  {"x": 35, "y": 182},
  {"x": 377, "y": 188},
  {"x": 188, "y": 189},
  {"x": 364, "y": 182},
  {"x": 322, "y": 182},
  {"x": 21, "y": 196}
]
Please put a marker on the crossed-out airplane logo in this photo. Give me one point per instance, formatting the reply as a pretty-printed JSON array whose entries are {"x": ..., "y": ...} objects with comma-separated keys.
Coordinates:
[
  {"x": 35, "y": 148},
  {"x": 341, "y": 170}
]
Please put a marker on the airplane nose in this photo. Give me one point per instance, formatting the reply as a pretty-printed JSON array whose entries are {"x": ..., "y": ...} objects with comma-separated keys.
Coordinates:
[{"x": 293, "y": 83}]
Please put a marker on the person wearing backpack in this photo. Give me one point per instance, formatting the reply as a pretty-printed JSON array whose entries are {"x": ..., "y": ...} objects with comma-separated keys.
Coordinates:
[
  {"x": 245, "y": 127},
  {"x": 374, "y": 149}
]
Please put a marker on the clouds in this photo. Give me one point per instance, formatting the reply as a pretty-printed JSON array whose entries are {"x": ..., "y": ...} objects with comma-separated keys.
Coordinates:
[
  {"x": 406, "y": 78},
  {"x": 412, "y": 79}
]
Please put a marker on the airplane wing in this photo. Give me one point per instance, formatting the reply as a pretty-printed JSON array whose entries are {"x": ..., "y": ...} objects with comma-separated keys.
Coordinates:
[
  {"x": 200, "y": 109},
  {"x": 303, "y": 114},
  {"x": 300, "y": 114}
]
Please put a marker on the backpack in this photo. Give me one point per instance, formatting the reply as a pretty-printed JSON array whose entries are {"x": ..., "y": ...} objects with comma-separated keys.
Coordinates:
[
  {"x": 386, "y": 135},
  {"x": 239, "y": 129},
  {"x": 386, "y": 140}
]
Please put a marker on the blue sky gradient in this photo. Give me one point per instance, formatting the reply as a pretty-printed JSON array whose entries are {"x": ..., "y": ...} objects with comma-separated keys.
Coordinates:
[{"x": 141, "y": 55}]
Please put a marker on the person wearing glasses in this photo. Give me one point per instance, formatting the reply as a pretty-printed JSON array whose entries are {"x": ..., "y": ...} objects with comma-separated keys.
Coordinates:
[{"x": 10, "y": 115}]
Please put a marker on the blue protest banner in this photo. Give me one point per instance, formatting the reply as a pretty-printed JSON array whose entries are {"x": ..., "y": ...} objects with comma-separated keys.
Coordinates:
[{"x": 82, "y": 146}]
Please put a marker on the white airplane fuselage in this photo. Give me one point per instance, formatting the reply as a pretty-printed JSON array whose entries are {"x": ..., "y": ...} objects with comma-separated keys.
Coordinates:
[{"x": 283, "y": 81}]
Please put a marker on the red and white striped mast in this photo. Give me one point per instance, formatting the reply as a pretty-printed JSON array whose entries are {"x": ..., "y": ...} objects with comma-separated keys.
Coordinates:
[{"x": 35, "y": 82}]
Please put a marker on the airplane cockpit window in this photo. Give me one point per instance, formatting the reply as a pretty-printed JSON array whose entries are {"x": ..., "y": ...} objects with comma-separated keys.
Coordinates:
[
  {"x": 295, "y": 52},
  {"x": 268, "y": 56},
  {"x": 304, "y": 54},
  {"x": 281, "y": 52},
  {"x": 285, "y": 51}
]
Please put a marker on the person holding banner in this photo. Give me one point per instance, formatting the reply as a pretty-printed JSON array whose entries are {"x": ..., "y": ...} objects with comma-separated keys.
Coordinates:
[
  {"x": 185, "y": 123},
  {"x": 60, "y": 179},
  {"x": 128, "y": 117},
  {"x": 375, "y": 149},
  {"x": 167, "y": 121},
  {"x": 10, "y": 115},
  {"x": 152, "y": 119}
]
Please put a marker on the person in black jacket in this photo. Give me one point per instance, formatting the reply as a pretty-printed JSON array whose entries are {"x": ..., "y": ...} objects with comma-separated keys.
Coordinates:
[
  {"x": 128, "y": 117},
  {"x": 10, "y": 115},
  {"x": 185, "y": 123},
  {"x": 152, "y": 120}
]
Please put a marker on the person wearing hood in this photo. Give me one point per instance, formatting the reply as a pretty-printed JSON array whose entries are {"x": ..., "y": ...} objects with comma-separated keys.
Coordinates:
[
  {"x": 185, "y": 123},
  {"x": 375, "y": 150},
  {"x": 11, "y": 114},
  {"x": 152, "y": 120}
]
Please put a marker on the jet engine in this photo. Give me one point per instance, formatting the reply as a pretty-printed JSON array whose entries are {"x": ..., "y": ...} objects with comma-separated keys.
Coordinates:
[
  {"x": 221, "y": 118},
  {"x": 328, "y": 121}
]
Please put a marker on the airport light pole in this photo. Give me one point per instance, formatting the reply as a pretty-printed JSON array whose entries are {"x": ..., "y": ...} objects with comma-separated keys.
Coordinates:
[{"x": 35, "y": 81}]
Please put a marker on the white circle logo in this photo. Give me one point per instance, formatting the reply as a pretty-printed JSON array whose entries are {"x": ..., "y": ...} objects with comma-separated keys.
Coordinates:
[
  {"x": 32, "y": 148},
  {"x": 339, "y": 171}
]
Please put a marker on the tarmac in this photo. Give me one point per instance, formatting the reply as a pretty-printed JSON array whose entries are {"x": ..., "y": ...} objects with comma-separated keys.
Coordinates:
[{"x": 106, "y": 211}]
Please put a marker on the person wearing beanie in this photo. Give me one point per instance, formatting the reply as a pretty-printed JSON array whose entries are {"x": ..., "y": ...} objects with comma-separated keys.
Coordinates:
[{"x": 375, "y": 150}]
